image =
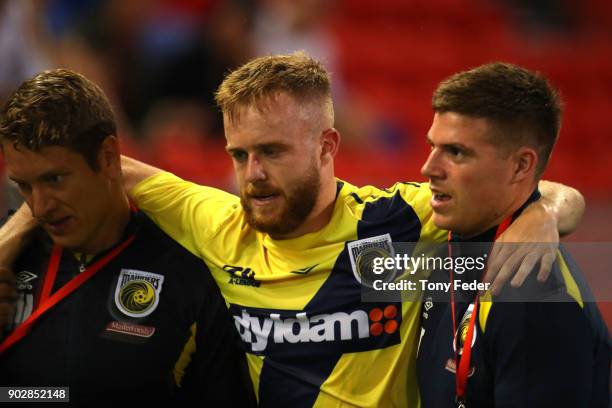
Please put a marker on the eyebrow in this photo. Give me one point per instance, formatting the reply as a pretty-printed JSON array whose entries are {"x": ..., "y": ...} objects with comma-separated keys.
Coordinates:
[
  {"x": 232, "y": 149},
  {"x": 460, "y": 146},
  {"x": 40, "y": 176},
  {"x": 14, "y": 179},
  {"x": 259, "y": 146}
]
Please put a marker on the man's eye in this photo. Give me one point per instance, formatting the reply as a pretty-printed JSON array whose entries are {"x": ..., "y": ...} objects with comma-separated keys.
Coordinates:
[
  {"x": 54, "y": 178},
  {"x": 455, "y": 152},
  {"x": 22, "y": 187},
  {"x": 270, "y": 151},
  {"x": 239, "y": 156}
]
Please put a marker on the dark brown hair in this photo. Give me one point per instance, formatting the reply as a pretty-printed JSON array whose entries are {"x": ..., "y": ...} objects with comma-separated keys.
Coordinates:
[
  {"x": 58, "y": 108},
  {"x": 521, "y": 103}
]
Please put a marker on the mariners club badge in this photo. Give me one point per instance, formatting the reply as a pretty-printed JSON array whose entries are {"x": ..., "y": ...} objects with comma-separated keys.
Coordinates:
[
  {"x": 137, "y": 292},
  {"x": 362, "y": 254}
]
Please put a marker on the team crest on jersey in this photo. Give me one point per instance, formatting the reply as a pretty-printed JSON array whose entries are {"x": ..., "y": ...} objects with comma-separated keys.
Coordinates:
[
  {"x": 23, "y": 280},
  {"x": 137, "y": 292},
  {"x": 462, "y": 330},
  {"x": 362, "y": 254}
]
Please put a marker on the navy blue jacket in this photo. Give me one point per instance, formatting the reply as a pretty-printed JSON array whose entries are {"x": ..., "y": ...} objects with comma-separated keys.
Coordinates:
[
  {"x": 525, "y": 354},
  {"x": 118, "y": 340}
]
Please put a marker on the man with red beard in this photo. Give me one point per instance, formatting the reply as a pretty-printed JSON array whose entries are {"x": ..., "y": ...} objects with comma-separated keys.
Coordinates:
[{"x": 286, "y": 253}]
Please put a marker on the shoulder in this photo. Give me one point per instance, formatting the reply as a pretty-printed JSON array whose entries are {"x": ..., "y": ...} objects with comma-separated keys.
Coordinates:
[
  {"x": 157, "y": 244},
  {"x": 552, "y": 306},
  {"x": 164, "y": 183},
  {"x": 403, "y": 206},
  {"x": 398, "y": 196},
  {"x": 37, "y": 250}
]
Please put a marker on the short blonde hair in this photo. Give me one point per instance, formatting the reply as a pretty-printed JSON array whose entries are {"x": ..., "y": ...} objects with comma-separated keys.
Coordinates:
[{"x": 297, "y": 74}]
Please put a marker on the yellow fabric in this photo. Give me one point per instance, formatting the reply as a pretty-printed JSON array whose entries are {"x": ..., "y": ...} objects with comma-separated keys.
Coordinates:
[
  {"x": 185, "y": 357},
  {"x": 80, "y": 257},
  {"x": 570, "y": 284},
  {"x": 486, "y": 302},
  {"x": 211, "y": 224}
]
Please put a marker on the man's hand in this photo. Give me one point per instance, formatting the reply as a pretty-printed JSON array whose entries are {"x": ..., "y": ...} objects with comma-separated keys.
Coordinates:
[
  {"x": 8, "y": 295},
  {"x": 534, "y": 237},
  {"x": 14, "y": 236}
]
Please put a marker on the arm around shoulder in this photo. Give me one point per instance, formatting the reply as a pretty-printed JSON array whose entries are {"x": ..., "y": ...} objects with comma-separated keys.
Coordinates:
[
  {"x": 15, "y": 234},
  {"x": 135, "y": 171},
  {"x": 565, "y": 203}
]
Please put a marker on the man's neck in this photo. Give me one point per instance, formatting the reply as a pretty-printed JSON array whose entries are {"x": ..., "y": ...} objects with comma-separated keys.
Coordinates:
[
  {"x": 115, "y": 222},
  {"x": 520, "y": 200}
]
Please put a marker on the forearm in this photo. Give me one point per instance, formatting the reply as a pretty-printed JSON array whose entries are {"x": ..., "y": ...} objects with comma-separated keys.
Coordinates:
[
  {"x": 135, "y": 171},
  {"x": 564, "y": 203},
  {"x": 15, "y": 234}
]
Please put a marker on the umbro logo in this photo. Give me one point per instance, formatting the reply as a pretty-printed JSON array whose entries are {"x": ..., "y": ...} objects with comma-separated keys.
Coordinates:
[
  {"x": 428, "y": 303},
  {"x": 304, "y": 271},
  {"x": 23, "y": 280}
]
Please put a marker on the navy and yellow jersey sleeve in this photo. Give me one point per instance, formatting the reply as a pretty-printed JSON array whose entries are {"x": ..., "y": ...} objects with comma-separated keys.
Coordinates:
[
  {"x": 189, "y": 213},
  {"x": 547, "y": 353},
  {"x": 390, "y": 200}
]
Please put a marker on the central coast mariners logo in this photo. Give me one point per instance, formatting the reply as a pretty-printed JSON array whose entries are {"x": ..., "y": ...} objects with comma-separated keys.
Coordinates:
[
  {"x": 362, "y": 254},
  {"x": 459, "y": 341},
  {"x": 137, "y": 292},
  {"x": 462, "y": 330}
]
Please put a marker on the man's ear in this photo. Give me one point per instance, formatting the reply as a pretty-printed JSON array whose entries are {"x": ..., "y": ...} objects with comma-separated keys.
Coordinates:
[
  {"x": 525, "y": 164},
  {"x": 109, "y": 158},
  {"x": 330, "y": 143}
]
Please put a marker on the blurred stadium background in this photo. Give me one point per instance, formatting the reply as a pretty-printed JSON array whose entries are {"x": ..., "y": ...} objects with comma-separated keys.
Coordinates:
[{"x": 161, "y": 60}]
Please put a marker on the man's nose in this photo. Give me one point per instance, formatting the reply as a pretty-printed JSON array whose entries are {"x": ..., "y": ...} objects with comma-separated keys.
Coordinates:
[
  {"x": 432, "y": 167},
  {"x": 40, "y": 202},
  {"x": 254, "y": 169}
]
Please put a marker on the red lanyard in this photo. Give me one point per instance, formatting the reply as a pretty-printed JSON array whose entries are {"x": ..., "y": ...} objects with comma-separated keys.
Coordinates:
[
  {"x": 47, "y": 301},
  {"x": 462, "y": 369}
]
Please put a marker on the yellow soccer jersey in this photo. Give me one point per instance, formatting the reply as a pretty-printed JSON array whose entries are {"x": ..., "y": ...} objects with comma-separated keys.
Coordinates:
[{"x": 309, "y": 338}]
